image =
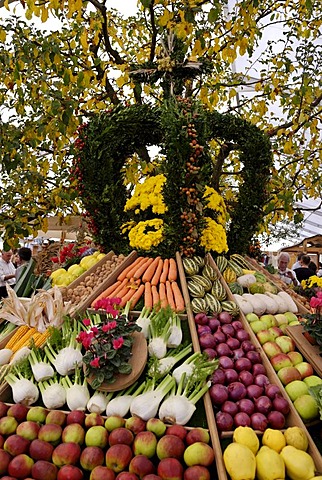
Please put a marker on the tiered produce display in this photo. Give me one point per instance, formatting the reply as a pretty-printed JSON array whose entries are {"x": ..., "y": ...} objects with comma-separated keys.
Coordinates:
[{"x": 215, "y": 388}]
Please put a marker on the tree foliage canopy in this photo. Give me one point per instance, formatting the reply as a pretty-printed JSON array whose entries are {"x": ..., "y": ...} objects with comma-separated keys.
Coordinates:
[{"x": 53, "y": 81}]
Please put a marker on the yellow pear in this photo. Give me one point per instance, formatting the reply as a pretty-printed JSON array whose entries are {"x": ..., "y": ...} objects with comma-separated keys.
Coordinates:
[
  {"x": 240, "y": 462},
  {"x": 269, "y": 465},
  {"x": 296, "y": 436},
  {"x": 299, "y": 464},
  {"x": 246, "y": 436},
  {"x": 273, "y": 439},
  {"x": 57, "y": 272}
]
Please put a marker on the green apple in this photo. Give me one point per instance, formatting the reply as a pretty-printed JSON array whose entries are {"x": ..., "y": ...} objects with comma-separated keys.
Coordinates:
[
  {"x": 281, "y": 319},
  {"x": 114, "y": 421},
  {"x": 312, "y": 380},
  {"x": 268, "y": 319},
  {"x": 291, "y": 317},
  {"x": 199, "y": 453},
  {"x": 96, "y": 436},
  {"x": 251, "y": 317},
  {"x": 307, "y": 407},
  {"x": 257, "y": 326},
  {"x": 295, "y": 389}
]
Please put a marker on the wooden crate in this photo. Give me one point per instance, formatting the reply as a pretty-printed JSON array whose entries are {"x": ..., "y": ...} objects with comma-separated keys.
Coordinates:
[{"x": 293, "y": 418}]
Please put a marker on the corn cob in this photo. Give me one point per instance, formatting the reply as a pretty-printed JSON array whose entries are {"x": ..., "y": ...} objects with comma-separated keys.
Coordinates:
[
  {"x": 42, "y": 338},
  {"x": 24, "y": 340},
  {"x": 21, "y": 331}
]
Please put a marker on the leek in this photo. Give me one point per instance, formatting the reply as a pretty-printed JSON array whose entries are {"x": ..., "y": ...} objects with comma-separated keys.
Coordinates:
[
  {"x": 160, "y": 367},
  {"x": 120, "y": 404},
  {"x": 146, "y": 404},
  {"x": 53, "y": 393},
  {"x": 23, "y": 390}
]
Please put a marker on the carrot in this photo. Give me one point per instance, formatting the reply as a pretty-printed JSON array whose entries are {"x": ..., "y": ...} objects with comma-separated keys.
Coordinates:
[
  {"x": 142, "y": 268},
  {"x": 155, "y": 295},
  {"x": 124, "y": 272},
  {"x": 163, "y": 296},
  {"x": 109, "y": 291},
  {"x": 173, "y": 271},
  {"x": 164, "y": 274},
  {"x": 122, "y": 290},
  {"x": 178, "y": 298},
  {"x": 137, "y": 295},
  {"x": 148, "y": 295},
  {"x": 131, "y": 272},
  {"x": 149, "y": 272},
  {"x": 157, "y": 274},
  {"x": 170, "y": 297},
  {"x": 127, "y": 296}
]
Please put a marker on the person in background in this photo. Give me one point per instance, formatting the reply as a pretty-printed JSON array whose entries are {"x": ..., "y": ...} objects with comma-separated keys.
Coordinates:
[
  {"x": 319, "y": 272},
  {"x": 7, "y": 272},
  {"x": 287, "y": 275},
  {"x": 304, "y": 272},
  {"x": 297, "y": 264},
  {"x": 313, "y": 267},
  {"x": 24, "y": 256}
]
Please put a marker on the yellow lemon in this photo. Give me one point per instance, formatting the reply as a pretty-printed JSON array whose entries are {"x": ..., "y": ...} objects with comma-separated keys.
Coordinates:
[
  {"x": 100, "y": 256},
  {"x": 76, "y": 270},
  {"x": 296, "y": 437},
  {"x": 274, "y": 439},
  {"x": 246, "y": 436},
  {"x": 57, "y": 272}
]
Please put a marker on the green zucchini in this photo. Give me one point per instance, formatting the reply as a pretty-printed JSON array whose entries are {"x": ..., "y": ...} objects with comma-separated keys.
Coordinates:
[{"x": 24, "y": 278}]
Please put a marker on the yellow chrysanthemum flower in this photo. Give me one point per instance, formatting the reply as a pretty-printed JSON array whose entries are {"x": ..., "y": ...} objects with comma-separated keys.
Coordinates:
[
  {"x": 143, "y": 240},
  {"x": 213, "y": 237}
]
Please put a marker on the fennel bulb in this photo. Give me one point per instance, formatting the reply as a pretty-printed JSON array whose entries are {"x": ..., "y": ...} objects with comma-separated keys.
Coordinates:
[
  {"x": 41, "y": 370},
  {"x": 161, "y": 367},
  {"x": 120, "y": 404},
  {"x": 23, "y": 391},
  {"x": 146, "y": 404},
  {"x": 159, "y": 333},
  {"x": 66, "y": 359},
  {"x": 144, "y": 321},
  {"x": 19, "y": 355},
  {"x": 5, "y": 355},
  {"x": 77, "y": 393},
  {"x": 176, "y": 335},
  {"x": 196, "y": 366},
  {"x": 53, "y": 394},
  {"x": 98, "y": 402}
]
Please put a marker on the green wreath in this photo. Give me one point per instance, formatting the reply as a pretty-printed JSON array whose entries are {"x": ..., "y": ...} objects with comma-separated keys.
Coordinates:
[{"x": 183, "y": 130}]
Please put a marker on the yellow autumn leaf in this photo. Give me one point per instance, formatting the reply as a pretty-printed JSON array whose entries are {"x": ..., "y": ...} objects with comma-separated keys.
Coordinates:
[
  {"x": 44, "y": 14},
  {"x": 288, "y": 147},
  {"x": 165, "y": 18},
  {"x": 3, "y": 35},
  {"x": 83, "y": 40}
]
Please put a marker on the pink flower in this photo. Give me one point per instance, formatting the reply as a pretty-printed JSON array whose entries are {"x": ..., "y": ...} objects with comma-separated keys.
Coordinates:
[
  {"x": 117, "y": 343},
  {"x": 86, "y": 322},
  {"x": 319, "y": 294},
  {"x": 95, "y": 362},
  {"x": 109, "y": 326},
  {"x": 94, "y": 330},
  {"x": 316, "y": 302},
  {"x": 85, "y": 338}
]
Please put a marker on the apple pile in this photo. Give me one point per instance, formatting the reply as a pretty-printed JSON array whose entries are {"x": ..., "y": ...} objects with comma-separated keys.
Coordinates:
[
  {"x": 295, "y": 373},
  {"x": 241, "y": 391},
  {"x": 39, "y": 444}
]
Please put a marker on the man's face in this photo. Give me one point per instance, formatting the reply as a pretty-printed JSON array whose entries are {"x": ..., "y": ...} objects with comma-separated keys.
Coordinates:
[
  {"x": 282, "y": 264},
  {"x": 7, "y": 256}
]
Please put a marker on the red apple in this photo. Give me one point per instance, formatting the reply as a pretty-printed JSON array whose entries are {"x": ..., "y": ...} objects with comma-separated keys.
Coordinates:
[
  {"x": 296, "y": 357},
  {"x": 285, "y": 343},
  {"x": 170, "y": 446},
  {"x": 114, "y": 421},
  {"x": 94, "y": 418},
  {"x": 102, "y": 473},
  {"x": 28, "y": 430},
  {"x": 20, "y": 466},
  {"x": 2, "y": 440},
  {"x": 96, "y": 436},
  {"x": 281, "y": 360},
  {"x": 17, "y": 410},
  {"x": 264, "y": 336},
  {"x": 199, "y": 453},
  {"x": 197, "y": 434},
  {"x": 70, "y": 472},
  {"x": 135, "y": 424},
  {"x": 37, "y": 414},
  {"x": 271, "y": 349},
  {"x": 275, "y": 331},
  {"x": 56, "y": 416},
  {"x": 151, "y": 476},
  {"x": 50, "y": 432},
  {"x": 8, "y": 425},
  {"x": 157, "y": 426},
  {"x": 196, "y": 472},
  {"x": 76, "y": 416},
  {"x": 288, "y": 374},
  {"x": 121, "y": 435},
  {"x": 40, "y": 450},
  {"x": 305, "y": 369},
  {"x": 73, "y": 432},
  {"x": 43, "y": 470},
  {"x": 5, "y": 459},
  {"x": 91, "y": 457},
  {"x": 177, "y": 430},
  {"x": 118, "y": 457},
  {"x": 15, "y": 445},
  {"x": 141, "y": 465},
  {"x": 170, "y": 468},
  {"x": 66, "y": 454},
  {"x": 4, "y": 409},
  {"x": 145, "y": 443},
  {"x": 127, "y": 476}
]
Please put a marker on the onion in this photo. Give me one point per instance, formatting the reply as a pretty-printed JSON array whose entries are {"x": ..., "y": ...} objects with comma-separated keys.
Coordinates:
[
  {"x": 219, "y": 336},
  {"x": 218, "y": 376},
  {"x": 276, "y": 420},
  {"x": 261, "y": 380},
  {"x": 242, "y": 335},
  {"x": 228, "y": 329},
  {"x": 218, "y": 394},
  {"x": 229, "y": 407},
  {"x": 223, "y": 349},
  {"x": 271, "y": 390},
  {"x": 243, "y": 364},
  {"x": 281, "y": 404},
  {"x": 258, "y": 368},
  {"x": 238, "y": 353},
  {"x": 246, "y": 405},
  {"x": 246, "y": 378},
  {"x": 224, "y": 421},
  {"x": 259, "y": 421},
  {"x": 225, "y": 362},
  {"x": 237, "y": 325},
  {"x": 231, "y": 375},
  {"x": 210, "y": 352},
  {"x": 225, "y": 317},
  {"x": 207, "y": 341},
  {"x": 213, "y": 323},
  {"x": 236, "y": 391},
  {"x": 202, "y": 329},
  {"x": 254, "y": 391},
  {"x": 247, "y": 346},
  {"x": 253, "y": 356},
  {"x": 232, "y": 342},
  {"x": 241, "y": 419},
  {"x": 263, "y": 405},
  {"x": 201, "y": 319}
]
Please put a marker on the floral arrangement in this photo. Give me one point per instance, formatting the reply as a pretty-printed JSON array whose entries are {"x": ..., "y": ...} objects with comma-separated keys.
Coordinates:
[
  {"x": 72, "y": 253},
  {"x": 148, "y": 194},
  {"x": 107, "y": 339},
  {"x": 312, "y": 323},
  {"x": 310, "y": 287}
]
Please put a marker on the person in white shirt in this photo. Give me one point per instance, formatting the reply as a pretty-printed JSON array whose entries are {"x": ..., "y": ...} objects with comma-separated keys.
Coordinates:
[
  {"x": 7, "y": 272},
  {"x": 287, "y": 275}
]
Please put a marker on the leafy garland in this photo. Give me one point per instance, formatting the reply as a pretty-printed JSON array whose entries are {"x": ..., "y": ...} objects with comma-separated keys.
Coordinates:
[{"x": 183, "y": 129}]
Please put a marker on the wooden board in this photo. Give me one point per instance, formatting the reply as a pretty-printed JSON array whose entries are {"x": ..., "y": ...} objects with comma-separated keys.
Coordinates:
[
  {"x": 137, "y": 361},
  {"x": 312, "y": 353}
]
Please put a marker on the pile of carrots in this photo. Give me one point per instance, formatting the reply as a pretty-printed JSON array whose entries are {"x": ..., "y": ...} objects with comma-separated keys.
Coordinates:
[{"x": 155, "y": 279}]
